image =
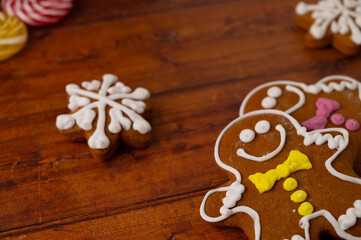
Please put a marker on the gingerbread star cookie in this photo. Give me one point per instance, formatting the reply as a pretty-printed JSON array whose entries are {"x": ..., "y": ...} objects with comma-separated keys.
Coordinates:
[
  {"x": 286, "y": 182},
  {"x": 106, "y": 114},
  {"x": 331, "y": 22}
]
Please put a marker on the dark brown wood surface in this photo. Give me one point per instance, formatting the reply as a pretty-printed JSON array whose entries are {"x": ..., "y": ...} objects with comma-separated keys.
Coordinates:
[{"x": 198, "y": 59}]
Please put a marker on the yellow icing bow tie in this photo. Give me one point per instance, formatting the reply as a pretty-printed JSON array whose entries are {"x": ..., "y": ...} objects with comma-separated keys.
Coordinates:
[
  {"x": 13, "y": 36},
  {"x": 296, "y": 161}
]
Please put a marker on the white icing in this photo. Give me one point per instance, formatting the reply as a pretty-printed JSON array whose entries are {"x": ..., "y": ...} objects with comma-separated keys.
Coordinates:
[
  {"x": 91, "y": 86},
  {"x": 301, "y": 100},
  {"x": 341, "y": 17},
  {"x": 247, "y": 135},
  {"x": 350, "y": 218},
  {"x": 83, "y": 101},
  {"x": 339, "y": 143},
  {"x": 320, "y": 86},
  {"x": 274, "y": 92},
  {"x": 262, "y": 127},
  {"x": 237, "y": 189},
  {"x": 269, "y": 102},
  {"x": 85, "y": 120},
  {"x": 305, "y": 224},
  {"x": 242, "y": 153}
]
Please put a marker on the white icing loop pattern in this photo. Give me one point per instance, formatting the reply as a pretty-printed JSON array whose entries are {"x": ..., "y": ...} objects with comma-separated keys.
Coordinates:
[
  {"x": 233, "y": 195},
  {"x": 37, "y": 12},
  {"x": 349, "y": 219},
  {"x": 84, "y": 101},
  {"x": 340, "y": 16}
]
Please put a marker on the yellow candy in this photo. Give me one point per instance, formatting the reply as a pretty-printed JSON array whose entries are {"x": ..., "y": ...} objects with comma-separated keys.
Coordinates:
[
  {"x": 305, "y": 209},
  {"x": 299, "y": 196},
  {"x": 290, "y": 184},
  {"x": 296, "y": 161},
  {"x": 13, "y": 36}
]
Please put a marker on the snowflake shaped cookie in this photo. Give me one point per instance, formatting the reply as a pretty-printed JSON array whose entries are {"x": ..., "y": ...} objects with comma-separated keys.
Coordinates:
[
  {"x": 336, "y": 22},
  {"x": 105, "y": 114}
]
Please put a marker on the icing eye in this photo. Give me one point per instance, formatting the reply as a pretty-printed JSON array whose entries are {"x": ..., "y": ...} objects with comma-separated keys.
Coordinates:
[
  {"x": 269, "y": 102},
  {"x": 274, "y": 92},
  {"x": 262, "y": 126},
  {"x": 247, "y": 135}
]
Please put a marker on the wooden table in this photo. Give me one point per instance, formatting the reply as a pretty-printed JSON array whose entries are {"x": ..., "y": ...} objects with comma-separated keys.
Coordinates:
[{"x": 198, "y": 58}]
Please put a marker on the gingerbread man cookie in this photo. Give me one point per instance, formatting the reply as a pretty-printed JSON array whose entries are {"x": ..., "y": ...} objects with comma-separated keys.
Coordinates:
[
  {"x": 331, "y": 22},
  {"x": 334, "y": 101},
  {"x": 285, "y": 182},
  {"x": 106, "y": 114}
]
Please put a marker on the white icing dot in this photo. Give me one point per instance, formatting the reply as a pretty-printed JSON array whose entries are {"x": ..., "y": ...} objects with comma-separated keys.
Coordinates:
[
  {"x": 262, "y": 126},
  {"x": 274, "y": 92},
  {"x": 269, "y": 102},
  {"x": 247, "y": 135}
]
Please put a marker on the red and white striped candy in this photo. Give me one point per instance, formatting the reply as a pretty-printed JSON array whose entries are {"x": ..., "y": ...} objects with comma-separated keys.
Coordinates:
[{"x": 37, "y": 12}]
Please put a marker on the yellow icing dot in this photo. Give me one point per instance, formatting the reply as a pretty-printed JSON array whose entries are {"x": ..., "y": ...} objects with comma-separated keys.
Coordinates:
[
  {"x": 296, "y": 161},
  {"x": 305, "y": 209},
  {"x": 299, "y": 196},
  {"x": 290, "y": 184},
  {"x": 13, "y": 36}
]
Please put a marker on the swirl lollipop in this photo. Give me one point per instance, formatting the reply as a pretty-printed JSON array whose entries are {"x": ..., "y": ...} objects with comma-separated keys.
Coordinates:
[
  {"x": 13, "y": 36},
  {"x": 37, "y": 12}
]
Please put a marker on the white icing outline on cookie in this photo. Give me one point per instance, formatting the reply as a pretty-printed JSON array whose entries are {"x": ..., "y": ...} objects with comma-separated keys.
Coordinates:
[
  {"x": 340, "y": 142},
  {"x": 242, "y": 153},
  {"x": 320, "y": 86},
  {"x": 340, "y": 17},
  {"x": 132, "y": 105}
]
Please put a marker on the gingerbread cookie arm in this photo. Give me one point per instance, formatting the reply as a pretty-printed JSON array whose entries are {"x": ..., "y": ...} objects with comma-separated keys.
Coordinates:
[
  {"x": 335, "y": 83},
  {"x": 226, "y": 203},
  {"x": 334, "y": 225}
]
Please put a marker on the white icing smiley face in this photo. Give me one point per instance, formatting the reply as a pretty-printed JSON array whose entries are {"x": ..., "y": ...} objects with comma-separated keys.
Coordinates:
[{"x": 261, "y": 127}]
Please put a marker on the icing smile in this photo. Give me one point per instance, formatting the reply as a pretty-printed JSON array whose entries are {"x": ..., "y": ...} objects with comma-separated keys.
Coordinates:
[{"x": 248, "y": 135}]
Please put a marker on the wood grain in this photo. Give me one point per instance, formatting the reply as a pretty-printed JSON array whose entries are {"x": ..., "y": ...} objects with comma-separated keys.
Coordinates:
[{"x": 198, "y": 59}]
